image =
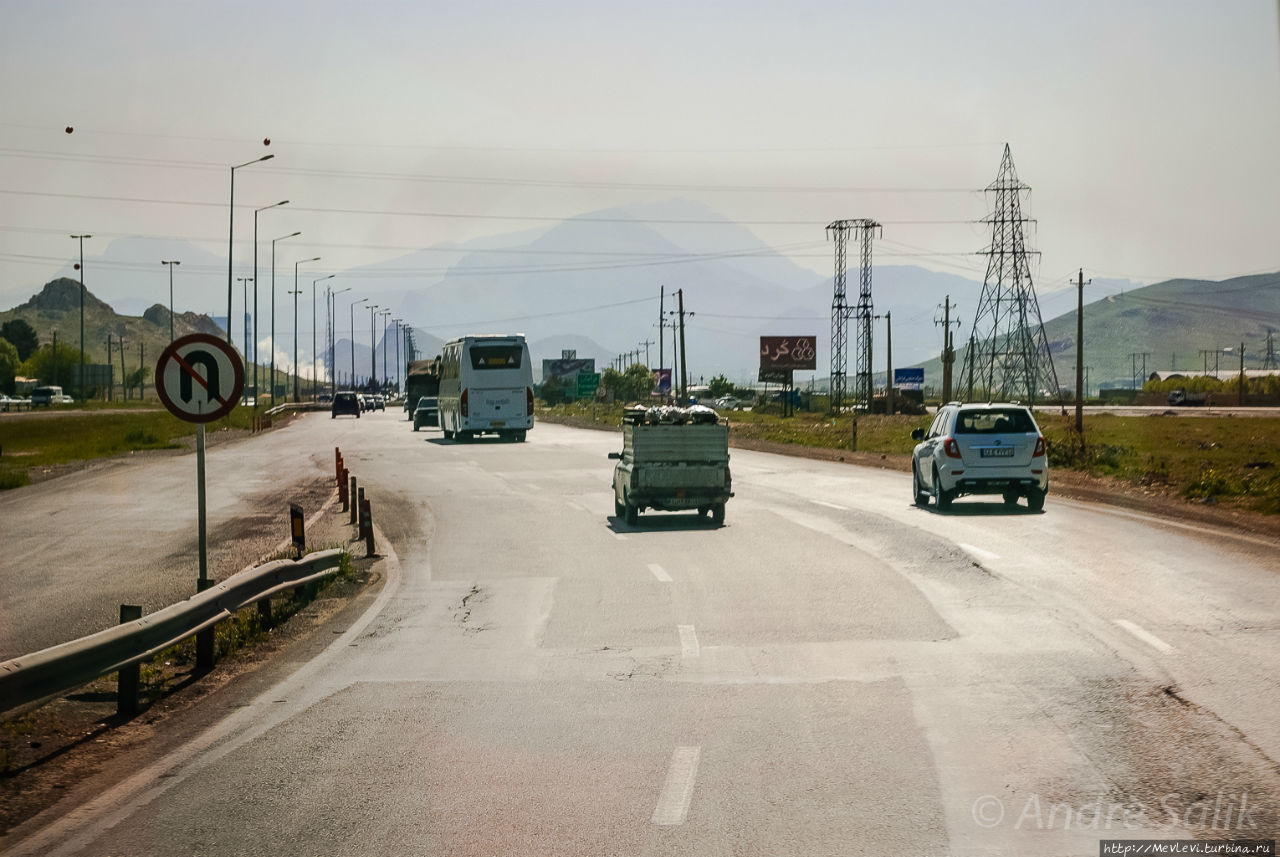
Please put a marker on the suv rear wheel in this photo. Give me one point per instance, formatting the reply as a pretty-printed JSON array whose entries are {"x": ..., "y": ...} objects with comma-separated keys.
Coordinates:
[
  {"x": 943, "y": 498},
  {"x": 921, "y": 497}
]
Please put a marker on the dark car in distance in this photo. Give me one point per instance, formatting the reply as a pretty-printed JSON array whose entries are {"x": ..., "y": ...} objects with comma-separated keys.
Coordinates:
[
  {"x": 427, "y": 413},
  {"x": 345, "y": 402}
]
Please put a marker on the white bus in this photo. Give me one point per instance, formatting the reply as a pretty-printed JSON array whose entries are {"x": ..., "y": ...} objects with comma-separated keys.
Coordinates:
[{"x": 486, "y": 385}]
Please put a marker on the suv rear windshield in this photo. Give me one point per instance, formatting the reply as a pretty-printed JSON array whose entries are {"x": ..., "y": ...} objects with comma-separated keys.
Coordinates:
[
  {"x": 496, "y": 356},
  {"x": 995, "y": 421}
]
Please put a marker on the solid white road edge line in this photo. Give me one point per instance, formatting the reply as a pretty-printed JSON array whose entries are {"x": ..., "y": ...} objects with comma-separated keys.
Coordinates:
[
  {"x": 677, "y": 792},
  {"x": 1145, "y": 636}
]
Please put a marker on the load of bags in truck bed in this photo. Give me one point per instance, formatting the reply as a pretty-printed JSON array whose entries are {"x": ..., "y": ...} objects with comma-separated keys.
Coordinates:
[{"x": 668, "y": 415}]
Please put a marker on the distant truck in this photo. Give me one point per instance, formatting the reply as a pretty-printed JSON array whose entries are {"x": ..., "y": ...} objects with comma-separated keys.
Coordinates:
[
  {"x": 43, "y": 397},
  {"x": 1181, "y": 397},
  {"x": 423, "y": 380},
  {"x": 672, "y": 459}
]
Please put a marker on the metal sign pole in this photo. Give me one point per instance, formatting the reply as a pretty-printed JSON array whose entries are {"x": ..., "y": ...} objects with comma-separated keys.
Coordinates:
[{"x": 200, "y": 506}]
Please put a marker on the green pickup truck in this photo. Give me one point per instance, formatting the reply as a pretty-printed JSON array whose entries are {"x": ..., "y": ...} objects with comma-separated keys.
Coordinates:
[{"x": 672, "y": 460}]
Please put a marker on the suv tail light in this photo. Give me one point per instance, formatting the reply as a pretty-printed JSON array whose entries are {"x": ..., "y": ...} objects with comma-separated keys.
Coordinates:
[
  {"x": 1039, "y": 451},
  {"x": 528, "y": 401},
  {"x": 951, "y": 448},
  {"x": 462, "y": 404}
]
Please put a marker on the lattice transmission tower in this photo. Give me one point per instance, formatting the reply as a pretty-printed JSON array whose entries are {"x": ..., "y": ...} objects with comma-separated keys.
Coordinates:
[
  {"x": 862, "y": 312},
  {"x": 1011, "y": 357}
]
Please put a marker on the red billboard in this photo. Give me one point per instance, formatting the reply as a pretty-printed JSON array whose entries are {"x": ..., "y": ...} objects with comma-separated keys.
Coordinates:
[{"x": 789, "y": 352}]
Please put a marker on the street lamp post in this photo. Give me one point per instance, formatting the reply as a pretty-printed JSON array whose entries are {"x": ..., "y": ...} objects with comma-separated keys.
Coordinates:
[
  {"x": 315, "y": 354},
  {"x": 256, "y": 391},
  {"x": 353, "y": 339},
  {"x": 386, "y": 314},
  {"x": 399, "y": 365},
  {"x": 231, "y": 233},
  {"x": 246, "y": 281},
  {"x": 80, "y": 381},
  {"x": 331, "y": 322},
  {"x": 244, "y": 394},
  {"x": 295, "y": 293},
  {"x": 272, "y": 382},
  {"x": 169, "y": 263},
  {"x": 373, "y": 354}
]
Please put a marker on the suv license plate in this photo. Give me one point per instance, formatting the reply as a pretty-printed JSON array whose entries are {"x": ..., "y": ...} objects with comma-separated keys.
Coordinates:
[{"x": 997, "y": 452}]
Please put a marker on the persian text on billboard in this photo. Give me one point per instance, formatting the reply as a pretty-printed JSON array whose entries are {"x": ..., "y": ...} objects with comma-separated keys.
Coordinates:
[{"x": 789, "y": 352}]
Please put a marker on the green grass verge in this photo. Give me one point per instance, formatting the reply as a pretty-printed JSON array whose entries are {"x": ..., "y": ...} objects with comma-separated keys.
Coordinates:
[
  {"x": 40, "y": 442},
  {"x": 1200, "y": 458}
]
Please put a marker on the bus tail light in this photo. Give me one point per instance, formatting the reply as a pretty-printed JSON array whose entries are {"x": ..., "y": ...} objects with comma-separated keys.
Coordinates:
[
  {"x": 462, "y": 403},
  {"x": 528, "y": 401}
]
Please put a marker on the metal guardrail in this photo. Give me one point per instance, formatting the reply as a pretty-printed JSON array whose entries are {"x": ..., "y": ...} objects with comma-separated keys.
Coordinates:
[{"x": 60, "y": 668}]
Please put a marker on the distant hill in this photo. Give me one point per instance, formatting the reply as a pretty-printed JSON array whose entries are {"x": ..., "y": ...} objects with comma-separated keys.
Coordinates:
[
  {"x": 1179, "y": 324},
  {"x": 57, "y": 308}
]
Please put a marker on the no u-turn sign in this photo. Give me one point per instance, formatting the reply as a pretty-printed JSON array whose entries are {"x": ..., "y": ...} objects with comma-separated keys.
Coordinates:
[{"x": 199, "y": 378}]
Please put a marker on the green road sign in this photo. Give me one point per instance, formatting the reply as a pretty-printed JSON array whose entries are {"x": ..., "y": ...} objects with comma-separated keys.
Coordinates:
[{"x": 587, "y": 384}]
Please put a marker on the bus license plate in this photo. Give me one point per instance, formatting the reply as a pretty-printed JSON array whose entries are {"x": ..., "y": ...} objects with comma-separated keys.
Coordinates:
[
  {"x": 498, "y": 424},
  {"x": 998, "y": 452}
]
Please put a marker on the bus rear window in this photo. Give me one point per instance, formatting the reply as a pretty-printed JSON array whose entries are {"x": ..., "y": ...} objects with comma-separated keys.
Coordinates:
[{"x": 496, "y": 356}]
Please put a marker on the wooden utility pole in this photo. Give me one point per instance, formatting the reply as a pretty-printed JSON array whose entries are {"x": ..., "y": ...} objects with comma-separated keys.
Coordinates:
[
  {"x": 124, "y": 388},
  {"x": 888, "y": 392},
  {"x": 1080, "y": 356},
  {"x": 1240, "y": 402},
  {"x": 110, "y": 384},
  {"x": 948, "y": 350},
  {"x": 684, "y": 369}
]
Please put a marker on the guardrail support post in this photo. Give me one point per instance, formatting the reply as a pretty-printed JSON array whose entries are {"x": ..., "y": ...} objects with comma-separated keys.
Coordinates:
[
  {"x": 366, "y": 509},
  {"x": 355, "y": 494},
  {"x": 204, "y": 639},
  {"x": 129, "y": 678},
  {"x": 264, "y": 613}
]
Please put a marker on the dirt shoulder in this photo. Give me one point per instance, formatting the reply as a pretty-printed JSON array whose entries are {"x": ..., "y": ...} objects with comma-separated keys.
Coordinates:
[{"x": 1148, "y": 500}]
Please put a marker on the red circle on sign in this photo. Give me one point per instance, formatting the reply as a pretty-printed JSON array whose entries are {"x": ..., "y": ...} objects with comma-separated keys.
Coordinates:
[{"x": 226, "y": 401}]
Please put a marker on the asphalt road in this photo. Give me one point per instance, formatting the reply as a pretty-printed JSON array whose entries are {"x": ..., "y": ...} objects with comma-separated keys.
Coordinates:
[{"x": 832, "y": 672}]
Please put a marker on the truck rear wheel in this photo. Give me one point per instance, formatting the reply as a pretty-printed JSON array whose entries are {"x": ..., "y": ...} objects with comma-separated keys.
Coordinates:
[
  {"x": 717, "y": 514},
  {"x": 618, "y": 509},
  {"x": 632, "y": 514}
]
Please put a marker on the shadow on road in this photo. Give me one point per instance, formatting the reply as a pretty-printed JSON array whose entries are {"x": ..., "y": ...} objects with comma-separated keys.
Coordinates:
[
  {"x": 663, "y": 523},
  {"x": 979, "y": 509}
]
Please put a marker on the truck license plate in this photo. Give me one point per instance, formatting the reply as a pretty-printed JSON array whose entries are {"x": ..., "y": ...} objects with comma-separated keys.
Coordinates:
[{"x": 498, "y": 424}]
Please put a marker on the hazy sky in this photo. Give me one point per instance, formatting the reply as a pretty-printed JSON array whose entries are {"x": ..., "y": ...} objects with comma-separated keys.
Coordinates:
[{"x": 1149, "y": 131}]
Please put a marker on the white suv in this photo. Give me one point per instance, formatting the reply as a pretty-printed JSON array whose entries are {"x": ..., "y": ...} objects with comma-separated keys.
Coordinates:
[{"x": 980, "y": 449}]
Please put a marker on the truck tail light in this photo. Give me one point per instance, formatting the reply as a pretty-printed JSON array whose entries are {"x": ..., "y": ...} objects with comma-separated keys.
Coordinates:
[
  {"x": 951, "y": 448},
  {"x": 462, "y": 404},
  {"x": 528, "y": 401},
  {"x": 1039, "y": 450}
]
